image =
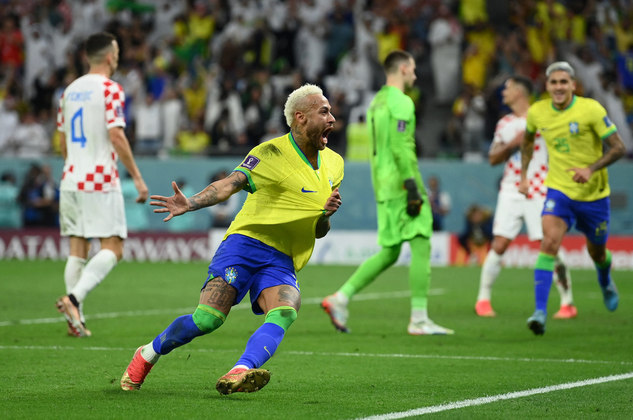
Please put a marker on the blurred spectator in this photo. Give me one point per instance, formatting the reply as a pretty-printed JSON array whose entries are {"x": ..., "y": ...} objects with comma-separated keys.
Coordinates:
[
  {"x": 194, "y": 141},
  {"x": 477, "y": 234},
  {"x": 9, "y": 120},
  {"x": 222, "y": 214},
  {"x": 470, "y": 108},
  {"x": 445, "y": 37},
  {"x": 609, "y": 95},
  {"x": 11, "y": 46},
  {"x": 172, "y": 109},
  {"x": 339, "y": 37},
  {"x": 440, "y": 203},
  {"x": 38, "y": 56},
  {"x": 10, "y": 216},
  {"x": 148, "y": 139},
  {"x": 39, "y": 198},
  {"x": 29, "y": 139},
  {"x": 136, "y": 214},
  {"x": 309, "y": 45}
]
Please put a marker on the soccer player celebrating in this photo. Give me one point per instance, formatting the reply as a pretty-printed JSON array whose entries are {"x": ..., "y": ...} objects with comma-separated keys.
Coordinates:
[
  {"x": 294, "y": 184},
  {"x": 575, "y": 130},
  {"x": 513, "y": 208},
  {"x": 91, "y": 123},
  {"x": 400, "y": 195}
]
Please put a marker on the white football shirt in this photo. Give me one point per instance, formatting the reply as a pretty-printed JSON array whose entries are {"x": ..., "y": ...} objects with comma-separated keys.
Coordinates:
[
  {"x": 88, "y": 108},
  {"x": 507, "y": 129}
]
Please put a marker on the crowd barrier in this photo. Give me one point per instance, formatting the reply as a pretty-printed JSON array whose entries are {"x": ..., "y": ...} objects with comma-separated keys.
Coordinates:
[{"x": 339, "y": 247}]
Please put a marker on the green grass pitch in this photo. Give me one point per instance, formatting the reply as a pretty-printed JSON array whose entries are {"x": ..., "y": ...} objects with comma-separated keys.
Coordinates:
[{"x": 580, "y": 368}]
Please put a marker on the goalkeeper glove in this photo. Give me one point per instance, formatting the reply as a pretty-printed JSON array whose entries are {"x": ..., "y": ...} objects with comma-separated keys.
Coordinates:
[{"x": 414, "y": 199}]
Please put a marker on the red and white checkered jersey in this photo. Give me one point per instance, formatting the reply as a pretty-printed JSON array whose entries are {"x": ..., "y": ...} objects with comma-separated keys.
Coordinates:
[
  {"x": 507, "y": 129},
  {"x": 88, "y": 108}
]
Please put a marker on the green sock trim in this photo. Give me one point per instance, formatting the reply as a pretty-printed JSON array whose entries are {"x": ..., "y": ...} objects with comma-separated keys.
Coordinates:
[
  {"x": 207, "y": 319},
  {"x": 607, "y": 261},
  {"x": 212, "y": 311},
  {"x": 282, "y": 316},
  {"x": 545, "y": 262}
]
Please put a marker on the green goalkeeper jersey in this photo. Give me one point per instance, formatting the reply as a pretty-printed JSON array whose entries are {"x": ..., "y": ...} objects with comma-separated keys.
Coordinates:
[{"x": 391, "y": 123}]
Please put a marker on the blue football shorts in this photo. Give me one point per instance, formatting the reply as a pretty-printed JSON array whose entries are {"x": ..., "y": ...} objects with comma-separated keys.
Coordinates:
[
  {"x": 589, "y": 217},
  {"x": 251, "y": 266}
]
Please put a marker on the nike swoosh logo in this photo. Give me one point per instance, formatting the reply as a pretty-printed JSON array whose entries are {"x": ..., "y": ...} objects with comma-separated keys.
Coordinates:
[{"x": 303, "y": 190}]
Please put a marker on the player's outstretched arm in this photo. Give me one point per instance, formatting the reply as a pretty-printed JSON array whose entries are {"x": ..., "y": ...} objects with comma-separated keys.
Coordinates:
[
  {"x": 214, "y": 193},
  {"x": 175, "y": 205},
  {"x": 331, "y": 206}
]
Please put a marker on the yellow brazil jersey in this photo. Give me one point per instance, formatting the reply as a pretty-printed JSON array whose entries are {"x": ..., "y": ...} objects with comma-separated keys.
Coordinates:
[
  {"x": 573, "y": 137},
  {"x": 287, "y": 196}
]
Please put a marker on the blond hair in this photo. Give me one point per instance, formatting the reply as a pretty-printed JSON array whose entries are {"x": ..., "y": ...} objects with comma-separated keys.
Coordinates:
[{"x": 295, "y": 99}]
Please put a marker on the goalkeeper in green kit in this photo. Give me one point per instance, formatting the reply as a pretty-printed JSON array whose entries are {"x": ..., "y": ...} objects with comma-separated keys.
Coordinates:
[{"x": 404, "y": 213}]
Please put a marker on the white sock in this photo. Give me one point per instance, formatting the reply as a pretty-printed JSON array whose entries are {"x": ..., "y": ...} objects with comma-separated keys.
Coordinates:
[
  {"x": 94, "y": 272},
  {"x": 149, "y": 354},
  {"x": 566, "y": 297},
  {"x": 72, "y": 271},
  {"x": 419, "y": 315},
  {"x": 489, "y": 273}
]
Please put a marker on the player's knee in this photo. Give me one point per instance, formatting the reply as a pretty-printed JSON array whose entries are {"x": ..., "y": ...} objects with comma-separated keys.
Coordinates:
[
  {"x": 207, "y": 318},
  {"x": 283, "y": 316}
]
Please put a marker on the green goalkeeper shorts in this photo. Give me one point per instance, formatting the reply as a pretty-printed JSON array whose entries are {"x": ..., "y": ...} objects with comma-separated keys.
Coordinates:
[{"x": 395, "y": 226}]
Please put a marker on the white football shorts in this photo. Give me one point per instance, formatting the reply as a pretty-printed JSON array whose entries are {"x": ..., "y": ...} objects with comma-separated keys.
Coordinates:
[
  {"x": 512, "y": 211},
  {"x": 92, "y": 214}
]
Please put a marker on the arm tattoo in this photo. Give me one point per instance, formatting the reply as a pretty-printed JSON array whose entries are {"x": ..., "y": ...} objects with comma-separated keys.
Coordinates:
[
  {"x": 205, "y": 198},
  {"x": 615, "y": 150}
]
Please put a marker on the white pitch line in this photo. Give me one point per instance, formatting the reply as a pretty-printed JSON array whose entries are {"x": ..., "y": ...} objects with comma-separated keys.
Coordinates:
[
  {"x": 500, "y": 397},
  {"x": 344, "y": 354},
  {"x": 153, "y": 312}
]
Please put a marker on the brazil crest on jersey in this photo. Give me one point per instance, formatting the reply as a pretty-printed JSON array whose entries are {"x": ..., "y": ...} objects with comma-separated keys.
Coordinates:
[
  {"x": 391, "y": 122},
  {"x": 573, "y": 137},
  {"x": 286, "y": 197}
]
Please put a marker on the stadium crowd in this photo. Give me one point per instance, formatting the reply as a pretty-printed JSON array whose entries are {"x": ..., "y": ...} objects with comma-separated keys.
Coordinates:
[{"x": 210, "y": 77}]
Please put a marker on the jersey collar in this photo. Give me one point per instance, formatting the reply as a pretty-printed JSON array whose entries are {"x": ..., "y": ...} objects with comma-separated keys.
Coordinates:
[
  {"x": 573, "y": 101},
  {"x": 301, "y": 154}
]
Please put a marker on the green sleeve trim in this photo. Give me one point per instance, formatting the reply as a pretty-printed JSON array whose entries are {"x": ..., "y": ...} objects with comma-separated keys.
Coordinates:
[
  {"x": 545, "y": 262},
  {"x": 251, "y": 185},
  {"x": 608, "y": 133}
]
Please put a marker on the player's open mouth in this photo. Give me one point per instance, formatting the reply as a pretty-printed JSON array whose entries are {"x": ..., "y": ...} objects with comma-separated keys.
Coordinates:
[{"x": 325, "y": 134}]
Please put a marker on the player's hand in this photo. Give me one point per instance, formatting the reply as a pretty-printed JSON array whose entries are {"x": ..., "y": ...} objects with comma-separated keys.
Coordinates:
[
  {"x": 581, "y": 175},
  {"x": 524, "y": 187},
  {"x": 414, "y": 199},
  {"x": 333, "y": 203},
  {"x": 142, "y": 190},
  {"x": 414, "y": 207},
  {"x": 175, "y": 205}
]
